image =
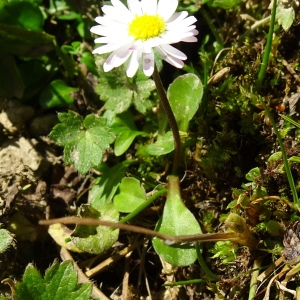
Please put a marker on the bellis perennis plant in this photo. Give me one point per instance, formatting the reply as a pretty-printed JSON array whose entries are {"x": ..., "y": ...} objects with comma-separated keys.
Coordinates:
[{"x": 133, "y": 33}]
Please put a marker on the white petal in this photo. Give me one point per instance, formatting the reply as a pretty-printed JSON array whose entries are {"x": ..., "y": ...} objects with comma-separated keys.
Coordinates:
[
  {"x": 134, "y": 63},
  {"x": 116, "y": 31},
  {"x": 101, "y": 40},
  {"x": 117, "y": 14},
  {"x": 189, "y": 39},
  {"x": 178, "y": 16},
  {"x": 173, "y": 52},
  {"x": 101, "y": 30},
  {"x": 120, "y": 6},
  {"x": 149, "y": 7},
  {"x": 118, "y": 57},
  {"x": 166, "y": 8},
  {"x": 135, "y": 7},
  {"x": 106, "y": 48},
  {"x": 181, "y": 24},
  {"x": 174, "y": 62},
  {"x": 137, "y": 45},
  {"x": 148, "y": 63},
  {"x": 179, "y": 29},
  {"x": 107, "y": 68},
  {"x": 176, "y": 38},
  {"x": 106, "y": 21},
  {"x": 148, "y": 45},
  {"x": 168, "y": 58},
  {"x": 114, "y": 35},
  {"x": 113, "y": 40},
  {"x": 97, "y": 19},
  {"x": 96, "y": 28},
  {"x": 151, "y": 43}
]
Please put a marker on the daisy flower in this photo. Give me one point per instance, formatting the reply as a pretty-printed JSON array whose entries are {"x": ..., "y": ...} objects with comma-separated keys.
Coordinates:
[{"x": 132, "y": 33}]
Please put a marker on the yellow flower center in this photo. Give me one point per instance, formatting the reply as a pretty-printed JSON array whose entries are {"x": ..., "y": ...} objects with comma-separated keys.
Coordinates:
[{"x": 146, "y": 27}]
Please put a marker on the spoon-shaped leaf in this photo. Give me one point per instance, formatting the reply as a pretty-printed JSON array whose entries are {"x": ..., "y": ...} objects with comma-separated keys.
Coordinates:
[
  {"x": 185, "y": 94},
  {"x": 176, "y": 220}
]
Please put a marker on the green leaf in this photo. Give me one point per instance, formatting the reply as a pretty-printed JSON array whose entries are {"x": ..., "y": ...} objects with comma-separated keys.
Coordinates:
[
  {"x": 32, "y": 285},
  {"x": 88, "y": 59},
  {"x": 73, "y": 49},
  {"x": 225, "y": 250},
  {"x": 131, "y": 195},
  {"x": 274, "y": 228},
  {"x": 289, "y": 119},
  {"x": 163, "y": 146},
  {"x": 124, "y": 120},
  {"x": 124, "y": 140},
  {"x": 225, "y": 4},
  {"x": 60, "y": 283},
  {"x": 84, "y": 140},
  {"x": 106, "y": 186},
  {"x": 40, "y": 72},
  {"x": 285, "y": 15},
  {"x": 123, "y": 125},
  {"x": 20, "y": 41},
  {"x": 6, "y": 239},
  {"x": 23, "y": 14},
  {"x": 253, "y": 174},
  {"x": 120, "y": 92},
  {"x": 295, "y": 159},
  {"x": 141, "y": 92},
  {"x": 275, "y": 157},
  {"x": 176, "y": 220},
  {"x": 96, "y": 239},
  {"x": 56, "y": 94},
  {"x": 185, "y": 94},
  {"x": 59, "y": 8}
]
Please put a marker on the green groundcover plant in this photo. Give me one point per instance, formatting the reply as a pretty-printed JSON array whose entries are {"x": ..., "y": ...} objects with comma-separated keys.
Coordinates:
[{"x": 136, "y": 142}]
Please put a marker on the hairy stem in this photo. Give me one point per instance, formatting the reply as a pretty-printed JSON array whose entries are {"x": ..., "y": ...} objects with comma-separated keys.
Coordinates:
[{"x": 171, "y": 118}]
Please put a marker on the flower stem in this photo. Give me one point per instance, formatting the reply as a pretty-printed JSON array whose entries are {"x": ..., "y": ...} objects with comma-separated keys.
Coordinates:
[{"x": 171, "y": 118}]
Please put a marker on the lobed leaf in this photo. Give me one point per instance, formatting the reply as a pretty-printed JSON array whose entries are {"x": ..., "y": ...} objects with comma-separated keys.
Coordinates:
[
  {"x": 32, "y": 285},
  {"x": 6, "y": 239},
  {"x": 60, "y": 283},
  {"x": 119, "y": 92},
  {"x": 84, "y": 140}
]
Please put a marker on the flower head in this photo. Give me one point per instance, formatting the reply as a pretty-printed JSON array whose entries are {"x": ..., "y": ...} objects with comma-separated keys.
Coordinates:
[{"x": 131, "y": 33}]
